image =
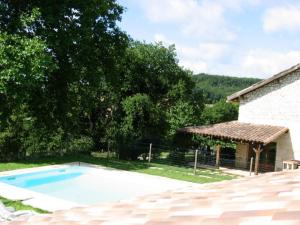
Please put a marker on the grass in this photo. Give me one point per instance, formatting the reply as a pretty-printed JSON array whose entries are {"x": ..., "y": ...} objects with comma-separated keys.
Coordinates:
[
  {"x": 159, "y": 169},
  {"x": 18, "y": 205}
]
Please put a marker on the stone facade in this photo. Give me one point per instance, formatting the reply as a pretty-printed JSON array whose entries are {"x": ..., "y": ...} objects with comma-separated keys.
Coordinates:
[{"x": 277, "y": 103}]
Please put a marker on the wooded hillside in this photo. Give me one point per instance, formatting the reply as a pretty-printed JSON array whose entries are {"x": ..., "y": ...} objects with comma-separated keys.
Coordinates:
[{"x": 216, "y": 87}]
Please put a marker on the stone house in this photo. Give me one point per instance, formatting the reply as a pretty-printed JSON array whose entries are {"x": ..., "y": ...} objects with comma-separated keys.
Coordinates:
[{"x": 268, "y": 122}]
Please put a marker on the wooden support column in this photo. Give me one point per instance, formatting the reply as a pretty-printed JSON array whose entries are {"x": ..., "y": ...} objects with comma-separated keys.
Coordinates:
[
  {"x": 257, "y": 151},
  {"x": 218, "y": 152}
]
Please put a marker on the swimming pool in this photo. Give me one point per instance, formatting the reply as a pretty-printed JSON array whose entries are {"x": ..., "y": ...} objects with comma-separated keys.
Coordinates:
[{"x": 89, "y": 185}]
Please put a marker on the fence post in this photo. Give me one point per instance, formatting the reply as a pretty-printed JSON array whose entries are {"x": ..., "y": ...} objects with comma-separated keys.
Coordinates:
[
  {"x": 196, "y": 159},
  {"x": 150, "y": 152},
  {"x": 251, "y": 165}
]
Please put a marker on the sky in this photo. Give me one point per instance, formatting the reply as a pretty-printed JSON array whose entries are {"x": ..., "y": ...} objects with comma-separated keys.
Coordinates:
[{"x": 244, "y": 38}]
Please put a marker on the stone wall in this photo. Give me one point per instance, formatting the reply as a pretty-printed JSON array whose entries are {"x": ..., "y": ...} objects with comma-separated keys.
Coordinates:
[{"x": 277, "y": 103}]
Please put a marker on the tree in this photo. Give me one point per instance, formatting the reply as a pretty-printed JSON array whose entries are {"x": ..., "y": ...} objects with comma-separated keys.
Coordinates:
[
  {"x": 216, "y": 88},
  {"x": 141, "y": 121},
  {"x": 85, "y": 42},
  {"x": 220, "y": 112},
  {"x": 25, "y": 63},
  {"x": 69, "y": 75},
  {"x": 181, "y": 114},
  {"x": 153, "y": 70}
]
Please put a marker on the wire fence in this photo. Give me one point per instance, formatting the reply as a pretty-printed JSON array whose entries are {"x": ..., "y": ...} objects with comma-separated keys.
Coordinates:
[{"x": 204, "y": 157}]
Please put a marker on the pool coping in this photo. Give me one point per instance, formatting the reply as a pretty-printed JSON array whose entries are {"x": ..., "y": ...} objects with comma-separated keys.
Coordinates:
[
  {"x": 32, "y": 198},
  {"x": 49, "y": 203}
]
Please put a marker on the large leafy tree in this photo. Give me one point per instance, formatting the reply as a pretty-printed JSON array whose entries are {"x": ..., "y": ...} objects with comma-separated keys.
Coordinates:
[
  {"x": 153, "y": 70},
  {"x": 66, "y": 98},
  {"x": 141, "y": 121},
  {"x": 84, "y": 41},
  {"x": 220, "y": 112},
  {"x": 75, "y": 76},
  {"x": 24, "y": 65}
]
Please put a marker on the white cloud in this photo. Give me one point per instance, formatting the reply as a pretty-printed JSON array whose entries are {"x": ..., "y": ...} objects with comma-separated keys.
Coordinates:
[
  {"x": 205, "y": 58},
  {"x": 167, "y": 10},
  {"x": 206, "y": 42},
  {"x": 284, "y": 18},
  {"x": 198, "y": 58},
  {"x": 264, "y": 63},
  {"x": 195, "y": 66},
  {"x": 204, "y": 50},
  {"x": 239, "y": 4},
  {"x": 162, "y": 38},
  {"x": 199, "y": 19}
]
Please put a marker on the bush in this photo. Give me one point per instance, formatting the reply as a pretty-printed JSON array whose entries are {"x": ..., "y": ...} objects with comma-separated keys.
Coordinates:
[
  {"x": 10, "y": 147},
  {"x": 81, "y": 144},
  {"x": 132, "y": 151},
  {"x": 42, "y": 142}
]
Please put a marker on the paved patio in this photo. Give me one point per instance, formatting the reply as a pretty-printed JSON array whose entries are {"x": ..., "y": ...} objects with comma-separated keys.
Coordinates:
[{"x": 272, "y": 198}]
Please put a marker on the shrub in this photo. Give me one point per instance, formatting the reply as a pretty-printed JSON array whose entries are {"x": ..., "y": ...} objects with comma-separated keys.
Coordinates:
[
  {"x": 81, "y": 144},
  {"x": 10, "y": 146}
]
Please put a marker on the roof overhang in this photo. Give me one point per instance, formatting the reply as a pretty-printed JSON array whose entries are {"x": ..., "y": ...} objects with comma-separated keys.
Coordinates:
[
  {"x": 239, "y": 132},
  {"x": 237, "y": 95}
]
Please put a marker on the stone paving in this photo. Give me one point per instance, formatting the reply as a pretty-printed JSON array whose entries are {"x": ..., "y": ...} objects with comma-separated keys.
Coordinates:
[{"x": 272, "y": 198}]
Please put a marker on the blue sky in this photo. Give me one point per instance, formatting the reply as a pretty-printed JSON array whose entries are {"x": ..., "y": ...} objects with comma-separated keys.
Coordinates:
[{"x": 254, "y": 38}]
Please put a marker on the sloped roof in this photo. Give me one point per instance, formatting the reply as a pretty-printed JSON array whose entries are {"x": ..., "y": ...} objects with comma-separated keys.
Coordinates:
[
  {"x": 235, "y": 96},
  {"x": 238, "y": 131}
]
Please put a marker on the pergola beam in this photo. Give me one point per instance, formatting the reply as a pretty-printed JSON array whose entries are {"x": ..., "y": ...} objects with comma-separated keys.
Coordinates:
[
  {"x": 257, "y": 151},
  {"x": 218, "y": 153}
]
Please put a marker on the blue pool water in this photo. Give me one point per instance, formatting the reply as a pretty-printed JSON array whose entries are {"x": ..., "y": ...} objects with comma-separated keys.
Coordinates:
[
  {"x": 86, "y": 185},
  {"x": 30, "y": 180}
]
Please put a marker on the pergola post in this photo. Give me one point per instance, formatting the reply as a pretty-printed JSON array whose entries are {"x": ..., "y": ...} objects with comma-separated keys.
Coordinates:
[
  {"x": 257, "y": 151},
  {"x": 218, "y": 152}
]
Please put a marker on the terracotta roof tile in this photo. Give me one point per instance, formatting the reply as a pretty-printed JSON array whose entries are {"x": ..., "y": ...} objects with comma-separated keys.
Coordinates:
[{"x": 238, "y": 131}]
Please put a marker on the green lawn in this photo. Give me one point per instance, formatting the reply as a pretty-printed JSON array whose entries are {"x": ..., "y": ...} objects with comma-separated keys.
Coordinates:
[
  {"x": 18, "y": 205},
  {"x": 159, "y": 169}
]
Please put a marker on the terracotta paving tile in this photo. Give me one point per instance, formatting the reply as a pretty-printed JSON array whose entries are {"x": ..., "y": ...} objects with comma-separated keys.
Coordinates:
[
  {"x": 247, "y": 213},
  {"x": 293, "y": 205},
  {"x": 15, "y": 223},
  {"x": 157, "y": 222},
  {"x": 191, "y": 220},
  {"x": 288, "y": 215},
  {"x": 215, "y": 221},
  {"x": 95, "y": 222},
  {"x": 268, "y": 199}
]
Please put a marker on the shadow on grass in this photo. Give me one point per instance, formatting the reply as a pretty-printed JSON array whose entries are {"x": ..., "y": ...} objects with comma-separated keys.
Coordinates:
[
  {"x": 52, "y": 160},
  {"x": 158, "y": 167}
]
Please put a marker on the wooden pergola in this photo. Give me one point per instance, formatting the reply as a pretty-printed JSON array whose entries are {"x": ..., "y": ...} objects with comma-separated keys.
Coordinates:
[{"x": 257, "y": 134}]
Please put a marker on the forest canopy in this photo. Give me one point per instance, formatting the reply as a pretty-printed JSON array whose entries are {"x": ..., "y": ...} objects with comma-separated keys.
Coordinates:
[{"x": 216, "y": 87}]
